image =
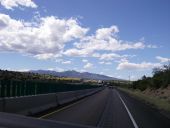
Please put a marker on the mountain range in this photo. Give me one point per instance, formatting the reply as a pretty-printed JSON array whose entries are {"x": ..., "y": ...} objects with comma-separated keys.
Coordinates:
[{"x": 75, "y": 74}]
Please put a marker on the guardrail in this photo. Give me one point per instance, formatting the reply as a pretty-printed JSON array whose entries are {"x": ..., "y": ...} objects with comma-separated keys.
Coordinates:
[{"x": 28, "y": 105}]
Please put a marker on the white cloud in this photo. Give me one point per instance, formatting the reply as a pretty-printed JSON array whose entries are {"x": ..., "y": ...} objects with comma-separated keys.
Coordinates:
[
  {"x": 21, "y": 70},
  {"x": 66, "y": 62},
  {"x": 137, "y": 66},
  {"x": 116, "y": 57},
  {"x": 44, "y": 39},
  {"x": 88, "y": 66},
  {"x": 152, "y": 46},
  {"x": 57, "y": 69},
  {"x": 105, "y": 33},
  {"x": 77, "y": 52},
  {"x": 108, "y": 63},
  {"x": 83, "y": 70},
  {"x": 103, "y": 62},
  {"x": 10, "y": 4},
  {"x": 96, "y": 55},
  {"x": 58, "y": 60},
  {"x": 163, "y": 59},
  {"x": 101, "y": 73},
  {"x": 110, "y": 56},
  {"x": 105, "y": 39},
  {"x": 122, "y": 60},
  {"x": 51, "y": 69},
  {"x": 84, "y": 60},
  {"x": 44, "y": 56},
  {"x": 133, "y": 78}
]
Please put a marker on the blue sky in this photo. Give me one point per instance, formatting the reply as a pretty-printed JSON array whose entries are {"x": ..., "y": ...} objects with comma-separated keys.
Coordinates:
[{"x": 112, "y": 37}]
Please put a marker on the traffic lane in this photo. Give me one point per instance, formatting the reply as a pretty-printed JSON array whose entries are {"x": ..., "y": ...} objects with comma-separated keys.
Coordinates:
[
  {"x": 8, "y": 120},
  {"x": 121, "y": 118},
  {"x": 103, "y": 109},
  {"x": 115, "y": 114},
  {"x": 87, "y": 112},
  {"x": 144, "y": 115}
]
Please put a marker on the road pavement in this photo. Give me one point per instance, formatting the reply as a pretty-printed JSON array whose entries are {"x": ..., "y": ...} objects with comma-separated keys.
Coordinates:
[{"x": 110, "y": 108}]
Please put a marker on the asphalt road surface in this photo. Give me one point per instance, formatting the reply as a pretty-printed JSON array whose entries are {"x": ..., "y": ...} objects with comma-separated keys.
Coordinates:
[{"x": 110, "y": 108}]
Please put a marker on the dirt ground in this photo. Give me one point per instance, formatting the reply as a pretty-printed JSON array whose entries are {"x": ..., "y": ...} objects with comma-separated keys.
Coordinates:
[{"x": 160, "y": 93}]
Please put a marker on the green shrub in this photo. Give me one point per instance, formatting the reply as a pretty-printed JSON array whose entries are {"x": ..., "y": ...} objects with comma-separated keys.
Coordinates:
[{"x": 160, "y": 79}]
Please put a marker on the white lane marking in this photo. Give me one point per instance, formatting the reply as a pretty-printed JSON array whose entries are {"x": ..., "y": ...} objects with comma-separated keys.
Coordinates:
[{"x": 130, "y": 115}]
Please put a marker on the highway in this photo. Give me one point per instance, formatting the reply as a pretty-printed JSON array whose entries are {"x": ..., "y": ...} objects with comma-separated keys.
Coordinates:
[{"x": 110, "y": 108}]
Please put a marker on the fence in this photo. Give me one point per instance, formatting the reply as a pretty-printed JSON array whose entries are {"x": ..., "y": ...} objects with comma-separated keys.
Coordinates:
[{"x": 16, "y": 88}]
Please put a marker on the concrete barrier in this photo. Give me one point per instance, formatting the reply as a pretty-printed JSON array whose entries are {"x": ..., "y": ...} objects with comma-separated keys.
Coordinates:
[
  {"x": 66, "y": 97},
  {"x": 2, "y": 105},
  {"x": 91, "y": 91},
  {"x": 83, "y": 93},
  {"x": 80, "y": 94},
  {"x": 28, "y": 105}
]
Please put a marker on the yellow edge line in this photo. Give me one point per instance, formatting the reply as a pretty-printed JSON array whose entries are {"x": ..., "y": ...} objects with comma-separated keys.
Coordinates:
[{"x": 46, "y": 115}]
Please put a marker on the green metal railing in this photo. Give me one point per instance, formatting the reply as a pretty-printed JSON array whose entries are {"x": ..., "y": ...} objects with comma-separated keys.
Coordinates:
[{"x": 15, "y": 88}]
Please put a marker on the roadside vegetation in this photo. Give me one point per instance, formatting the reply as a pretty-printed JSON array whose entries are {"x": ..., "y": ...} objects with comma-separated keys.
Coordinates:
[
  {"x": 14, "y": 84},
  {"x": 154, "y": 90},
  {"x": 160, "y": 79},
  {"x": 153, "y": 97}
]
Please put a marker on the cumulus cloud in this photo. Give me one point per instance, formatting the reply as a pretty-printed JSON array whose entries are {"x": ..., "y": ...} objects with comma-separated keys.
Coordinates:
[
  {"x": 21, "y": 70},
  {"x": 136, "y": 66},
  {"x": 108, "y": 63},
  {"x": 152, "y": 46},
  {"x": 84, "y": 60},
  {"x": 58, "y": 69},
  {"x": 110, "y": 56},
  {"x": 101, "y": 73},
  {"x": 103, "y": 62},
  {"x": 113, "y": 57},
  {"x": 44, "y": 39},
  {"x": 96, "y": 55},
  {"x": 78, "y": 52},
  {"x": 10, "y": 4},
  {"x": 105, "y": 33},
  {"x": 112, "y": 44},
  {"x": 66, "y": 62},
  {"x": 122, "y": 60},
  {"x": 105, "y": 39},
  {"x": 44, "y": 56},
  {"x": 88, "y": 66},
  {"x": 163, "y": 59}
]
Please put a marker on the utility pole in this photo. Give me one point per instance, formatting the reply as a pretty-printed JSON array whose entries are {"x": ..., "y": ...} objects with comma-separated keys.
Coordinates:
[{"x": 129, "y": 79}]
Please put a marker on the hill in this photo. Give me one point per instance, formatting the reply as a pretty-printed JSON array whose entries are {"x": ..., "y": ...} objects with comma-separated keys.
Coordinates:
[{"x": 75, "y": 74}]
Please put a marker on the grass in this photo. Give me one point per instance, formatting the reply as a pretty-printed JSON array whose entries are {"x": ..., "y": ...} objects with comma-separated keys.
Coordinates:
[{"x": 158, "y": 103}]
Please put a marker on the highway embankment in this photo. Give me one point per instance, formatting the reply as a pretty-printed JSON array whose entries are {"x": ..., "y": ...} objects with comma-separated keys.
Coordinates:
[{"x": 156, "y": 98}]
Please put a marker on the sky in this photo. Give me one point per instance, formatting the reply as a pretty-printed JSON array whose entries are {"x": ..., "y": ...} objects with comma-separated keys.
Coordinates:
[{"x": 118, "y": 38}]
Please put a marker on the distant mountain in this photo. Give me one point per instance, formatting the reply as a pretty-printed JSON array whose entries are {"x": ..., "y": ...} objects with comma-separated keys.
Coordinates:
[{"x": 75, "y": 74}]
